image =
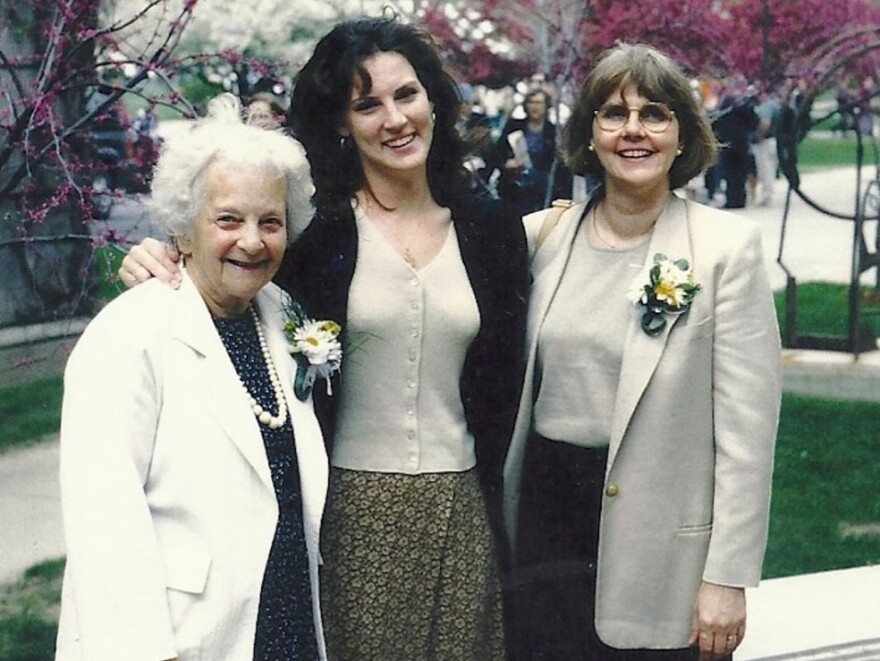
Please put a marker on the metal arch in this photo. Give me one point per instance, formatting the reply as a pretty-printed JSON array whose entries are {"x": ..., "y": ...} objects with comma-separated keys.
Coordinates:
[{"x": 828, "y": 60}]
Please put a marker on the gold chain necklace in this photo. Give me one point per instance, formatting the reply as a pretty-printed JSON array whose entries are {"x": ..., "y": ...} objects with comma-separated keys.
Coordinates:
[
  {"x": 595, "y": 223},
  {"x": 408, "y": 256}
]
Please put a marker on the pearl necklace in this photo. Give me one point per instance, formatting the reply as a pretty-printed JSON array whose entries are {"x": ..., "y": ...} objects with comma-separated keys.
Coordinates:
[{"x": 264, "y": 416}]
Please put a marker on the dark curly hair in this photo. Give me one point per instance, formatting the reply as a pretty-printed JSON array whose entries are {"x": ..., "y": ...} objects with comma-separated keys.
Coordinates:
[
  {"x": 656, "y": 77},
  {"x": 322, "y": 94}
]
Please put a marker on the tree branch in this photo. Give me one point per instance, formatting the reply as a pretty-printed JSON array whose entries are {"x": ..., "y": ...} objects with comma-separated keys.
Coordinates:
[{"x": 16, "y": 81}]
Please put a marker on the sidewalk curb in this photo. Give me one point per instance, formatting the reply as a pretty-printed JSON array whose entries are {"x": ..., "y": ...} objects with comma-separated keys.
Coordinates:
[{"x": 52, "y": 330}]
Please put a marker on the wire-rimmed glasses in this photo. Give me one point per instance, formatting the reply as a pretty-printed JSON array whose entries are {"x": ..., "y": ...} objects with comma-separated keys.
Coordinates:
[{"x": 654, "y": 116}]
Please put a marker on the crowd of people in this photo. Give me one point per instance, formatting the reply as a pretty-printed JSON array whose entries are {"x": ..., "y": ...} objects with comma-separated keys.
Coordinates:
[
  {"x": 748, "y": 121},
  {"x": 523, "y": 163},
  {"x": 357, "y": 409}
]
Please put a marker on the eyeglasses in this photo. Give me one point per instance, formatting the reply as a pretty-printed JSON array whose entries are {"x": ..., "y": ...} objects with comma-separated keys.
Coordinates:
[{"x": 654, "y": 117}]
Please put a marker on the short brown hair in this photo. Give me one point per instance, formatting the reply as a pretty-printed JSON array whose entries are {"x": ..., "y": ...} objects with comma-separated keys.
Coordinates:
[{"x": 656, "y": 77}]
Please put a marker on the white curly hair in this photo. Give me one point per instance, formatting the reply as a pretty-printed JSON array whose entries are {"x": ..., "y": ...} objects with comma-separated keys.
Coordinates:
[{"x": 177, "y": 192}]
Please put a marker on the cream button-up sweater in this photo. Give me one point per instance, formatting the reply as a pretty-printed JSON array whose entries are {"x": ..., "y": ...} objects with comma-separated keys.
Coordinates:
[{"x": 409, "y": 330}]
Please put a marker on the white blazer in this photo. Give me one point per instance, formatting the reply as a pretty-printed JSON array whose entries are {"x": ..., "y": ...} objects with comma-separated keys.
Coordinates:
[
  {"x": 169, "y": 509},
  {"x": 693, "y": 430}
]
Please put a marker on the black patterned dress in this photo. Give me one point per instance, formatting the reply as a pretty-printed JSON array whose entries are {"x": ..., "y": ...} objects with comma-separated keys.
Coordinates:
[{"x": 285, "y": 623}]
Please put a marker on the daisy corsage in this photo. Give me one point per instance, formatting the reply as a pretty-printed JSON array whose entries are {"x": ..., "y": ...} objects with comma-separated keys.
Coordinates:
[
  {"x": 664, "y": 287},
  {"x": 315, "y": 346}
]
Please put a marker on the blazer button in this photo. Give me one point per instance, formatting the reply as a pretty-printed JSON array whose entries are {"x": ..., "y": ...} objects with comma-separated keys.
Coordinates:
[{"x": 612, "y": 490}]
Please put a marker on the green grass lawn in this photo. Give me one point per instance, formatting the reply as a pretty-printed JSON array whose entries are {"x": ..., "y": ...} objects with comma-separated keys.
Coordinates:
[
  {"x": 29, "y": 613},
  {"x": 826, "y": 500},
  {"x": 29, "y": 412},
  {"x": 815, "y": 153},
  {"x": 823, "y": 309}
]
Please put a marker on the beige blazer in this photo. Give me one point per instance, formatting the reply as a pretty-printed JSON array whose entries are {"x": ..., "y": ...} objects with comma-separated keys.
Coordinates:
[
  {"x": 169, "y": 509},
  {"x": 691, "y": 452}
]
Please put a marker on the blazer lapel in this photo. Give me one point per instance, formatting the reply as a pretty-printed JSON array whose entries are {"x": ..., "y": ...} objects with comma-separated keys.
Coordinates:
[
  {"x": 548, "y": 265},
  {"x": 214, "y": 379},
  {"x": 642, "y": 352}
]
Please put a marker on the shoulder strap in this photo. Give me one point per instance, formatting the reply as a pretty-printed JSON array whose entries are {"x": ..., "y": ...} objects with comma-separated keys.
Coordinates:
[{"x": 558, "y": 208}]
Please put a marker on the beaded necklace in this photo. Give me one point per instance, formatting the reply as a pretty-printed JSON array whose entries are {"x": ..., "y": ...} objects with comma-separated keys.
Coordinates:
[{"x": 262, "y": 415}]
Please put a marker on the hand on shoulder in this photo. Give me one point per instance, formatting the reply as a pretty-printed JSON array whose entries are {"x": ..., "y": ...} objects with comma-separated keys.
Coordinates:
[{"x": 151, "y": 259}]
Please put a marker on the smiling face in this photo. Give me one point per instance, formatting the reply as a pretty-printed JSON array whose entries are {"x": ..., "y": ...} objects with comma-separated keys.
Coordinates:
[
  {"x": 635, "y": 159},
  {"x": 391, "y": 122},
  {"x": 239, "y": 237}
]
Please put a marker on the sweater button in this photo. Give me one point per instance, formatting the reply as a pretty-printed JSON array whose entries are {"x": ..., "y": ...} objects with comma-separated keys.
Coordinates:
[{"x": 612, "y": 490}]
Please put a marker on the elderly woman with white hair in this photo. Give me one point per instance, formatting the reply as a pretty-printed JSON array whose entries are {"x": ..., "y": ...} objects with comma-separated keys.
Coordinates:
[{"x": 193, "y": 470}]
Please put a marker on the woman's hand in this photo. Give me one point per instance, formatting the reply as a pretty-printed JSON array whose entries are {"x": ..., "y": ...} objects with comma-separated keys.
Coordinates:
[
  {"x": 719, "y": 622},
  {"x": 151, "y": 258}
]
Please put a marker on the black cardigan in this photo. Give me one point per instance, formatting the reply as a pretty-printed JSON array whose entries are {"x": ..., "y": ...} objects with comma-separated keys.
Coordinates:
[{"x": 318, "y": 270}]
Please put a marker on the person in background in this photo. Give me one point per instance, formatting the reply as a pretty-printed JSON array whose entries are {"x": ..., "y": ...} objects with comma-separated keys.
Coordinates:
[
  {"x": 734, "y": 125},
  {"x": 764, "y": 147},
  {"x": 265, "y": 110},
  {"x": 476, "y": 132},
  {"x": 528, "y": 159},
  {"x": 862, "y": 111},
  {"x": 637, "y": 485},
  {"x": 430, "y": 285},
  {"x": 193, "y": 480},
  {"x": 845, "y": 99}
]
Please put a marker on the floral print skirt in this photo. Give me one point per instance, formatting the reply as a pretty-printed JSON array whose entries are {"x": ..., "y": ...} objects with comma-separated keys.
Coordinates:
[{"x": 410, "y": 569}]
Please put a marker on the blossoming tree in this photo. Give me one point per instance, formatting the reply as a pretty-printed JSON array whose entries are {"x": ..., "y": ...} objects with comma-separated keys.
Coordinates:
[
  {"x": 62, "y": 72},
  {"x": 764, "y": 40}
]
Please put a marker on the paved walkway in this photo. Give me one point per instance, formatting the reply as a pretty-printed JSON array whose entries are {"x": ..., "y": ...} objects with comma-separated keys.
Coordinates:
[
  {"x": 30, "y": 509},
  {"x": 831, "y": 615},
  {"x": 817, "y": 246}
]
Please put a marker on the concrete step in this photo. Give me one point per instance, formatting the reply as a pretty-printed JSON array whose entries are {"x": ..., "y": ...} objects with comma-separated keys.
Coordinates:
[
  {"x": 813, "y": 617},
  {"x": 863, "y": 650}
]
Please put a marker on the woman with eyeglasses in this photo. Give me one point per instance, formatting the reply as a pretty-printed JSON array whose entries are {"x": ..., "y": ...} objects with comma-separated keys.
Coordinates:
[{"x": 637, "y": 485}]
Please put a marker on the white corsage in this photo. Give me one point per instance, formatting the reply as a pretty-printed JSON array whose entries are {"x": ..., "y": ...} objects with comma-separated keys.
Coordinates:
[
  {"x": 664, "y": 287},
  {"x": 315, "y": 346}
]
